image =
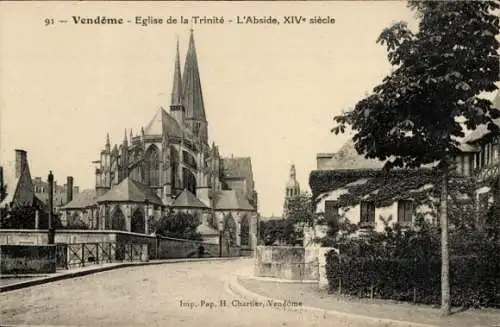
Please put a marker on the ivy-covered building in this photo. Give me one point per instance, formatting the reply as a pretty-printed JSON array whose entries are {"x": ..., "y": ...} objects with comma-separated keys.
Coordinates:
[{"x": 348, "y": 185}]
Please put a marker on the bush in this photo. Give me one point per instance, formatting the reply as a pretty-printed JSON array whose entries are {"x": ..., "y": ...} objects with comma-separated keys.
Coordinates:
[
  {"x": 474, "y": 279},
  {"x": 179, "y": 225}
]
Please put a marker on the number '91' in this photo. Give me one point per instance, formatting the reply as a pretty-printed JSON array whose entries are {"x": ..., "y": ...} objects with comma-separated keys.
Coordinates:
[{"x": 49, "y": 21}]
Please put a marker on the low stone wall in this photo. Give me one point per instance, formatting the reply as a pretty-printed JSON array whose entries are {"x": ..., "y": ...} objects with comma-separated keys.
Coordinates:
[
  {"x": 287, "y": 262},
  {"x": 27, "y": 259},
  {"x": 157, "y": 247}
]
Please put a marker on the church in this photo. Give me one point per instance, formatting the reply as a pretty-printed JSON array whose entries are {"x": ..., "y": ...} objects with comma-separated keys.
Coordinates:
[{"x": 171, "y": 166}]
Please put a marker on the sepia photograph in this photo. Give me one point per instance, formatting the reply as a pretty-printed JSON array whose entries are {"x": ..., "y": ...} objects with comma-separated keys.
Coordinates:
[{"x": 250, "y": 163}]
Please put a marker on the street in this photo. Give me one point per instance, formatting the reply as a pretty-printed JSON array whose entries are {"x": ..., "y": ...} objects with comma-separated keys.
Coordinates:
[{"x": 180, "y": 294}]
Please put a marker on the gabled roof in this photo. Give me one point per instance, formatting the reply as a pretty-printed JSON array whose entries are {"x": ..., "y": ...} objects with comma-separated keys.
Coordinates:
[
  {"x": 348, "y": 158},
  {"x": 163, "y": 123},
  {"x": 130, "y": 191},
  {"x": 84, "y": 199},
  {"x": 188, "y": 200},
  {"x": 232, "y": 200},
  {"x": 238, "y": 168}
]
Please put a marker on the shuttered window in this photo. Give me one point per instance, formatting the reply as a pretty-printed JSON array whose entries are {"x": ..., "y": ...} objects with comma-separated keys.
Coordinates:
[
  {"x": 331, "y": 210},
  {"x": 367, "y": 212},
  {"x": 405, "y": 211}
]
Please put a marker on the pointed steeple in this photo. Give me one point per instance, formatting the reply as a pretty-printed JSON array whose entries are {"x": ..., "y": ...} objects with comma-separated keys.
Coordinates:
[
  {"x": 108, "y": 143},
  {"x": 176, "y": 98},
  {"x": 131, "y": 136},
  {"x": 292, "y": 172},
  {"x": 125, "y": 141},
  {"x": 191, "y": 85}
]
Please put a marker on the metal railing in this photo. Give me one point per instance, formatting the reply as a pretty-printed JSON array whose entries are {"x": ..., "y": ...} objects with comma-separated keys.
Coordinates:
[{"x": 84, "y": 254}]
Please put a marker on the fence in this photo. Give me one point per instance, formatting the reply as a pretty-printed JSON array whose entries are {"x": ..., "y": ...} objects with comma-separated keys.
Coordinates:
[{"x": 84, "y": 254}]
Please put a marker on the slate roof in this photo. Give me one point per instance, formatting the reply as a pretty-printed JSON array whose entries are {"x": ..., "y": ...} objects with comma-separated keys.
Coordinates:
[
  {"x": 188, "y": 200},
  {"x": 130, "y": 191},
  {"x": 238, "y": 168},
  {"x": 232, "y": 200},
  {"x": 163, "y": 123},
  {"x": 348, "y": 158},
  {"x": 84, "y": 199}
]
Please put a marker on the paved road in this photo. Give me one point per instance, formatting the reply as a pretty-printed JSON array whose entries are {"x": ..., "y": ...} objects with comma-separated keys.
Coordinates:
[{"x": 181, "y": 294}]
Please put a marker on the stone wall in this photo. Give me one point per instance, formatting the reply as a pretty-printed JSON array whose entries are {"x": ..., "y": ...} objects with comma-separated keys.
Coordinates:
[
  {"x": 27, "y": 259},
  {"x": 286, "y": 262},
  {"x": 157, "y": 247}
]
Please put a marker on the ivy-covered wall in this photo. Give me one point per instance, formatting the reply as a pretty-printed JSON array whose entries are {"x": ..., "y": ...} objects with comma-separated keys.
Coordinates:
[{"x": 385, "y": 188}]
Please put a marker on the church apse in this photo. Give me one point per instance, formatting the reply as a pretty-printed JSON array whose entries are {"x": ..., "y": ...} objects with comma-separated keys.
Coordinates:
[{"x": 170, "y": 154}]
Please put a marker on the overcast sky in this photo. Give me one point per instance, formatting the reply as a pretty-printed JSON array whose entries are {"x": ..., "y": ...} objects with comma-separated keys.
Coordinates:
[{"x": 270, "y": 91}]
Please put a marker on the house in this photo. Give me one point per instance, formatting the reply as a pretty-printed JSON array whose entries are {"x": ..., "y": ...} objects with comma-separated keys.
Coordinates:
[{"x": 348, "y": 185}]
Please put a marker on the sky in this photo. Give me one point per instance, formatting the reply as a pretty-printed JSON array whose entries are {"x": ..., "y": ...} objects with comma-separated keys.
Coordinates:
[{"x": 270, "y": 91}]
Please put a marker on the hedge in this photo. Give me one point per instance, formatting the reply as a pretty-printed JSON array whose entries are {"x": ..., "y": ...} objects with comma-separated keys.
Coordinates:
[{"x": 475, "y": 280}]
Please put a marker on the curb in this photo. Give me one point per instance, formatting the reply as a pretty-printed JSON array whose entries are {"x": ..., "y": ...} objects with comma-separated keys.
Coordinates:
[
  {"x": 375, "y": 321},
  {"x": 69, "y": 274},
  {"x": 283, "y": 281}
]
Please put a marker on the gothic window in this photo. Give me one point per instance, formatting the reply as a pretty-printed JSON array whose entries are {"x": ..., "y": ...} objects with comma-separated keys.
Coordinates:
[
  {"x": 152, "y": 167},
  {"x": 405, "y": 211},
  {"x": 367, "y": 212},
  {"x": 174, "y": 162},
  {"x": 189, "y": 181}
]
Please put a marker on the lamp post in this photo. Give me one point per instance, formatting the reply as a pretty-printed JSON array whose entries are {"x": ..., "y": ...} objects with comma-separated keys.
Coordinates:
[{"x": 51, "y": 234}]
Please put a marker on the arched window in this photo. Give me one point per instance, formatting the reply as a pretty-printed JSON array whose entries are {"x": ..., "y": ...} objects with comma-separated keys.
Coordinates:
[
  {"x": 189, "y": 181},
  {"x": 152, "y": 166},
  {"x": 174, "y": 164}
]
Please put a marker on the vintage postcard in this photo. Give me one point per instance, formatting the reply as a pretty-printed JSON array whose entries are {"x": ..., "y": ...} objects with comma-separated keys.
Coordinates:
[{"x": 289, "y": 163}]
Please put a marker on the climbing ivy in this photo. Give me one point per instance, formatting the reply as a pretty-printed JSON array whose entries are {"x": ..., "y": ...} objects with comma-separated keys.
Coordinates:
[{"x": 384, "y": 187}]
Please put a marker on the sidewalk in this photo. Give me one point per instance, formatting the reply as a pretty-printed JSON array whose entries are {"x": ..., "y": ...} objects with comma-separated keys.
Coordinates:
[
  {"x": 13, "y": 282},
  {"x": 385, "y": 313}
]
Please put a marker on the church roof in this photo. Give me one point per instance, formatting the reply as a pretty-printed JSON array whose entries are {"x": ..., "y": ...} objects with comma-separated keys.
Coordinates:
[
  {"x": 238, "y": 168},
  {"x": 130, "y": 191},
  {"x": 232, "y": 200},
  {"x": 191, "y": 84},
  {"x": 162, "y": 123},
  {"x": 188, "y": 200},
  {"x": 84, "y": 199}
]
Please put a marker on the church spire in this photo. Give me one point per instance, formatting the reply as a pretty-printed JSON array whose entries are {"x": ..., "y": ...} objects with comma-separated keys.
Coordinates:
[
  {"x": 191, "y": 84},
  {"x": 108, "y": 143},
  {"x": 176, "y": 98},
  {"x": 125, "y": 141},
  {"x": 292, "y": 172},
  {"x": 131, "y": 136}
]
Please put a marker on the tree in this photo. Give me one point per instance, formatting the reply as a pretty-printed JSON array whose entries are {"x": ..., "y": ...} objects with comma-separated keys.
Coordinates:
[
  {"x": 411, "y": 118},
  {"x": 179, "y": 225},
  {"x": 300, "y": 209},
  {"x": 280, "y": 231}
]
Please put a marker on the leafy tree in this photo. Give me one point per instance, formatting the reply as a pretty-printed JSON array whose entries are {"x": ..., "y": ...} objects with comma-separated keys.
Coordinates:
[
  {"x": 179, "y": 225},
  {"x": 300, "y": 209},
  {"x": 23, "y": 217},
  {"x": 280, "y": 231},
  {"x": 439, "y": 71}
]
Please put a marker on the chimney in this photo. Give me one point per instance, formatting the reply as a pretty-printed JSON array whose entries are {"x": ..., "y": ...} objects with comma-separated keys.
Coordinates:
[
  {"x": 69, "y": 189},
  {"x": 21, "y": 162}
]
